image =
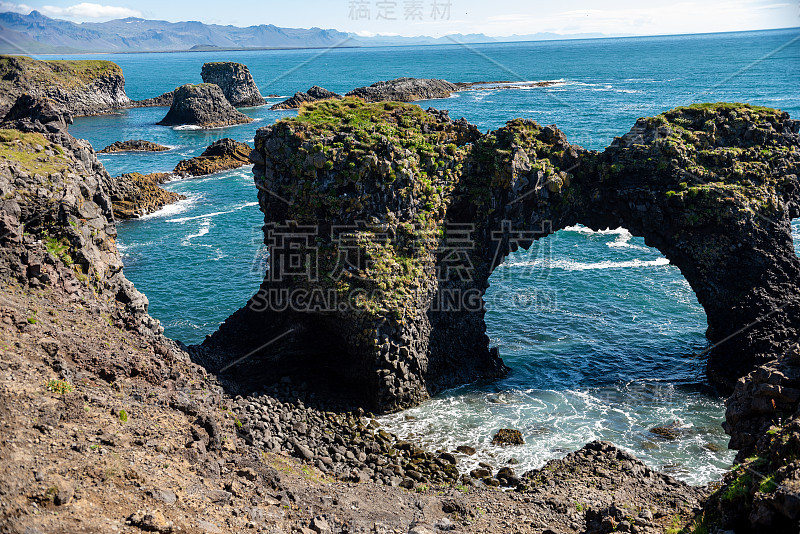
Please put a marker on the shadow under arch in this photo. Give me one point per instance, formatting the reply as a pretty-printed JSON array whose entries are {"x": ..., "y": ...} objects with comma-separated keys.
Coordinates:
[{"x": 600, "y": 334}]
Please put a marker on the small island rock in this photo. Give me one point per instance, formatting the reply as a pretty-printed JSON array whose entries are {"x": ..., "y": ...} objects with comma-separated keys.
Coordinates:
[
  {"x": 202, "y": 105},
  {"x": 134, "y": 145}
]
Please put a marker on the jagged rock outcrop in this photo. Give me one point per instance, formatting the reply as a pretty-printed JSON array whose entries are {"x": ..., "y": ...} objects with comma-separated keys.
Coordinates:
[
  {"x": 314, "y": 94},
  {"x": 405, "y": 90},
  {"x": 766, "y": 397},
  {"x": 69, "y": 218},
  {"x": 134, "y": 145},
  {"x": 221, "y": 155},
  {"x": 236, "y": 82},
  {"x": 369, "y": 283},
  {"x": 81, "y": 87},
  {"x": 134, "y": 194},
  {"x": 202, "y": 105}
]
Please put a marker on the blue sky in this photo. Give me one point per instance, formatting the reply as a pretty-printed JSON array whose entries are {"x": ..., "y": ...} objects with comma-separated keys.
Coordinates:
[{"x": 440, "y": 17}]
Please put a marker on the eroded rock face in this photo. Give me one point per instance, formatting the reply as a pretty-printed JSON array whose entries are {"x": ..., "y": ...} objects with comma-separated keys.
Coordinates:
[
  {"x": 221, "y": 155},
  {"x": 385, "y": 222},
  {"x": 235, "y": 81},
  {"x": 202, "y": 105},
  {"x": 88, "y": 87},
  {"x": 70, "y": 218},
  {"x": 405, "y": 90},
  {"x": 314, "y": 94}
]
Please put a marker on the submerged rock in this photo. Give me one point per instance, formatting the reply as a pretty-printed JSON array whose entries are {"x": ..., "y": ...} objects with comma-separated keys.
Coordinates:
[
  {"x": 219, "y": 156},
  {"x": 236, "y": 82},
  {"x": 508, "y": 436},
  {"x": 314, "y": 94},
  {"x": 135, "y": 145},
  {"x": 202, "y": 105},
  {"x": 405, "y": 90}
]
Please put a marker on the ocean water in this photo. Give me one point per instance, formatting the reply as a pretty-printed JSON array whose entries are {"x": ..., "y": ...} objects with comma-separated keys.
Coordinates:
[{"x": 600, "y": 331}]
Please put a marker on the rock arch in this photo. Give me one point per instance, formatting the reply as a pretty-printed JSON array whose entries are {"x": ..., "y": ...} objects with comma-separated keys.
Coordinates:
[{"x": 387, "y": 221}]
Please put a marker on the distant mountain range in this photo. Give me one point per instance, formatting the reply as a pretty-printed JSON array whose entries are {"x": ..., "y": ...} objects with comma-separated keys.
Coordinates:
[{"x": 37, "y": 34}]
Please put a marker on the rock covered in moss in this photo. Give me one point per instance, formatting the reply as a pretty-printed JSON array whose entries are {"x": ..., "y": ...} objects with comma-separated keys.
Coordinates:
[
  {"x": 405, "y": 90},
  {"x": 134, "y": 194},
  {"x": 134, "y": 145},
  {"x": 314, "y": 94},
  {"x": 80, "y": 87},
  {"x": 221, "y": 155},
  {"x": 236, "y": 82},
  {"x": 202, "y": 105},
  {"x": 402, "y": 216}
]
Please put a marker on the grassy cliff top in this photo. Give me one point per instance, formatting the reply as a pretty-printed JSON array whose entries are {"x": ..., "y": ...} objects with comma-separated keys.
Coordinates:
[
  {"x": 67, "y": 73},
  {"x": 32, "y": 152}
]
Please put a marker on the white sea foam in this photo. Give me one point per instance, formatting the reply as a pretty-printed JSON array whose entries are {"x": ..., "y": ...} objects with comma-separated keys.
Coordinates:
[
  {"x": 173, "y": 209},
  {"x": 213, "y": 214},
  {"x": 205, "y": 227},
  {"x": 570, "y": 265}
]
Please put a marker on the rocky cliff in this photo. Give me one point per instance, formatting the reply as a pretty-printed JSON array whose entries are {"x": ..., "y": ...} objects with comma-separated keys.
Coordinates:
[
  {"x": 85, "y": 87},
  {"x": 202, "y": 105},
  {"x": 235, "y": 81}
]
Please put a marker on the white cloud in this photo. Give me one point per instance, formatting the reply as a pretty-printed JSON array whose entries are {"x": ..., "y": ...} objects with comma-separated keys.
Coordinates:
[
  {"x": 15, "y": 8},
  {"x": 82, "y": 11},
  {"x": 87, "y": 10}
]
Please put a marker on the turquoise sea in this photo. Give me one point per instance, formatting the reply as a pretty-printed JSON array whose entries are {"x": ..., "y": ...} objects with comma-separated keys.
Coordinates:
[{"x": 610, "y": 357}]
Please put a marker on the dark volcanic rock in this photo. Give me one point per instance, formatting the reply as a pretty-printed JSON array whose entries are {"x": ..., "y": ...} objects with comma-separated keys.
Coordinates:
[
  {"x": 43, "y": 111},
  {"x": 135, "y": 145},
  {"x": 314, "y": 94},
  {"x": 202, "y": 105},
  {"x": 235, "y": 81},
  {"x": 219, "y": 156},
  {"x": 133, "y": 194},
  {"x": 393, "y": 308},
  {"x": 405, "y": 90}
]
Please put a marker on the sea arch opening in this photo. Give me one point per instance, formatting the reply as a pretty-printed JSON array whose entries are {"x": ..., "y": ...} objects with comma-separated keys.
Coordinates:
[{"x": 602, "y": 336}]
